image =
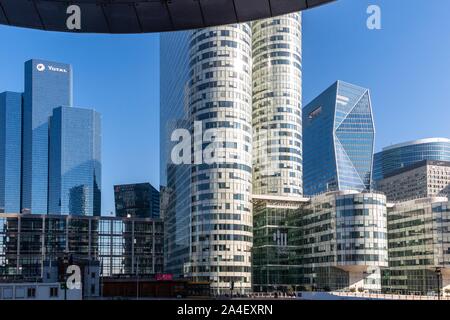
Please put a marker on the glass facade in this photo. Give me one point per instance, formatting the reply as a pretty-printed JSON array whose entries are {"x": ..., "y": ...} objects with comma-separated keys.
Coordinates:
[
  {"x": 406, "y": 154},
  {"x": 176, "y": 179},
  {"x": 139, "y": 200},
  {"x": 274, "y": 266},
  {"x": 10, "y": 151},
  {"x": 277, "y": 106},
  {"x": 122, "y": 246},
  {"x": 419, "y": 242},
  {"x": 47, "y": 85},
  {"x": 338, "y": 140},
  {"x": 334, "y": 241},
  {"x": 220, "y": 95},
  {"x": 74, "y": 162}
]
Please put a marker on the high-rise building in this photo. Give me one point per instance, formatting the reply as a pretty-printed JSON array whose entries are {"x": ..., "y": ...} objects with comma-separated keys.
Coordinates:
[
  {"x": 420, "y": 180},
  {"x": 140, "y": 200},
  {"x": 10, "y": 151},
  {"x": 277, "y": 106},
  {"x": 48, "y": 85},
  {"x": 74, "y": 162},
  {"x": 405, "y": 154},
  {"x": 176, "y": 178},
  {"x": 211, "y": 86},
  {"x": 338, "y": 140}
]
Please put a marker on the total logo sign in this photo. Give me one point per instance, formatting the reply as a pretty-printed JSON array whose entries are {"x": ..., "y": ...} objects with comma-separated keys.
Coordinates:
[{"x": 41, "y": 67}]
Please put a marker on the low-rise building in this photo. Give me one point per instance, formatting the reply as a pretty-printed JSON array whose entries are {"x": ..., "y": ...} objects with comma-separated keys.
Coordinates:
[
  {"x": 419, "y": 247},
  {"x": 333, "y": 241}
]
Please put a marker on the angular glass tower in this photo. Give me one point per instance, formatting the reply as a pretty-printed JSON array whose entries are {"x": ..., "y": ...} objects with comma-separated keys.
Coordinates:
[
  {"x": 75, "y": 162},
  {"x": 338, "y": 140},
  {"x": 48, "y": 85},
  {"x": 402, "y": 155},
  {"x": 10, "y": 151}
]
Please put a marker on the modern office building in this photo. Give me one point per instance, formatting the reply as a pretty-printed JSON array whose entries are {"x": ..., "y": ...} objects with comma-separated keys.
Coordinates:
[
  {"x": 419, "y": 247},
  {"x": 74, "y": 182},
  {"x": 277, "y": 106},
  {"x": 219, "y": 94},
  {"x": 405, "y": 154},
  {"x": 140, "y": 200},
  {"x": 48, "y": 85},
  {"x": 10, "y": 151},
  {"x": 212, "y": 87},
  {"x": 275, "y": 243},
  {"x": 334, "y": 241},
  {"x": 338, "y": 140},
  {"x": 175, "y": 178},
  {"x": 122, "y": 246},
  {"x": 420, "y": 180}
]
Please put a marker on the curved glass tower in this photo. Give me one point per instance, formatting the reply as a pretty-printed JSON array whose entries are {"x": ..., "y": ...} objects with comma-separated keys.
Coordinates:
[
  {"x": 405, "y": 154},
  {"x": 277, "y": 106},
  {"x": 219, "y": 98}
]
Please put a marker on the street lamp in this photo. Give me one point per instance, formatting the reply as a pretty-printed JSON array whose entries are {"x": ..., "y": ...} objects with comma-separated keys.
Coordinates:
[{"x": 439, "y": 277}]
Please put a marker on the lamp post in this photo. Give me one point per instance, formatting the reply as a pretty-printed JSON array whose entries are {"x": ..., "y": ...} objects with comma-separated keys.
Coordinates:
[{"x": 439, "y": 276}]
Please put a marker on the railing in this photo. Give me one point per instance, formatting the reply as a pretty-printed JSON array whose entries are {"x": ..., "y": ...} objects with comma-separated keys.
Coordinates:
[{"x": 385, "y": 296}]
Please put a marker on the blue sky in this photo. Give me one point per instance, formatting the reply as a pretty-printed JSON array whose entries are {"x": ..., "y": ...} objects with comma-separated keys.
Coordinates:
[{"x": 406, "y": 65}]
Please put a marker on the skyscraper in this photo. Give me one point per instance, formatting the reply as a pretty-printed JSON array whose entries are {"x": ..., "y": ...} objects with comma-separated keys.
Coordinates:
[
  {"x": 47, "y": 85},
  {"x": 10, "y": 151},
  {"x": 139, "y": 200},
  {"x": 75, "y": 162},
  {"x": 217, "y": 92},
  {"x": 206, "y": 88},
  {"x": 338, "y": 140},
  {"x": 176, "y": 178},
  {"x": 402, "y": 155},
  {"x": 277, "y": 106}
]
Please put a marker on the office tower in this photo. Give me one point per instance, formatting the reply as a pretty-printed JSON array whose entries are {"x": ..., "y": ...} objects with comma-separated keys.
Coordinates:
[
  {"x": 420, "y": 180},
  {"x": 405, "y": 154},
  {"x": 176, "y": 178},
  {"x": 277, "y": 106},
  {"x": 419, "y": 250},
  {"x": 220, "y": 96},
  {"x": 217, "y": 95},
  {"x": 47, "y": 85},
  {"x": 338, "y": 140},
  {"x": 140, "y": 200},
  {"x": 10, "y": 151},
  {"x": 74, "y": 162}
]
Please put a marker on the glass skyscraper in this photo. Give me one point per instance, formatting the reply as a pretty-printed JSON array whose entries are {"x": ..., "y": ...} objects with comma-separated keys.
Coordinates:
[
  {"x": 75, "y": 162},
  {"x": 277, "y": 106},
  {"x": 338, "y": 140},
  {"x": 176, "y": 179},
  {"x": 402, "y": 155},
  {"x": 48, "y": 85},
  {"x": 244, "y": 81},
  {"x": 10, "y": 151}
]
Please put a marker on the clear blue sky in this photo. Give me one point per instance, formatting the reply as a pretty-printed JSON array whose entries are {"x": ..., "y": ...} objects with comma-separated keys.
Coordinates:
[{"x": 406, "y": 65}]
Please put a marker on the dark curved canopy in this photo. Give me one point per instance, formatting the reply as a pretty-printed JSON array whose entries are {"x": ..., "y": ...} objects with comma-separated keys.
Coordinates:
[{"x": 137, "y": 16}]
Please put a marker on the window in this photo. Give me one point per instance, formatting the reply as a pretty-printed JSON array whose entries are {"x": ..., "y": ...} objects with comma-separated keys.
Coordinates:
[
  {"x": 31, "y": 292},
  {"x": 53, "y": 292}
]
